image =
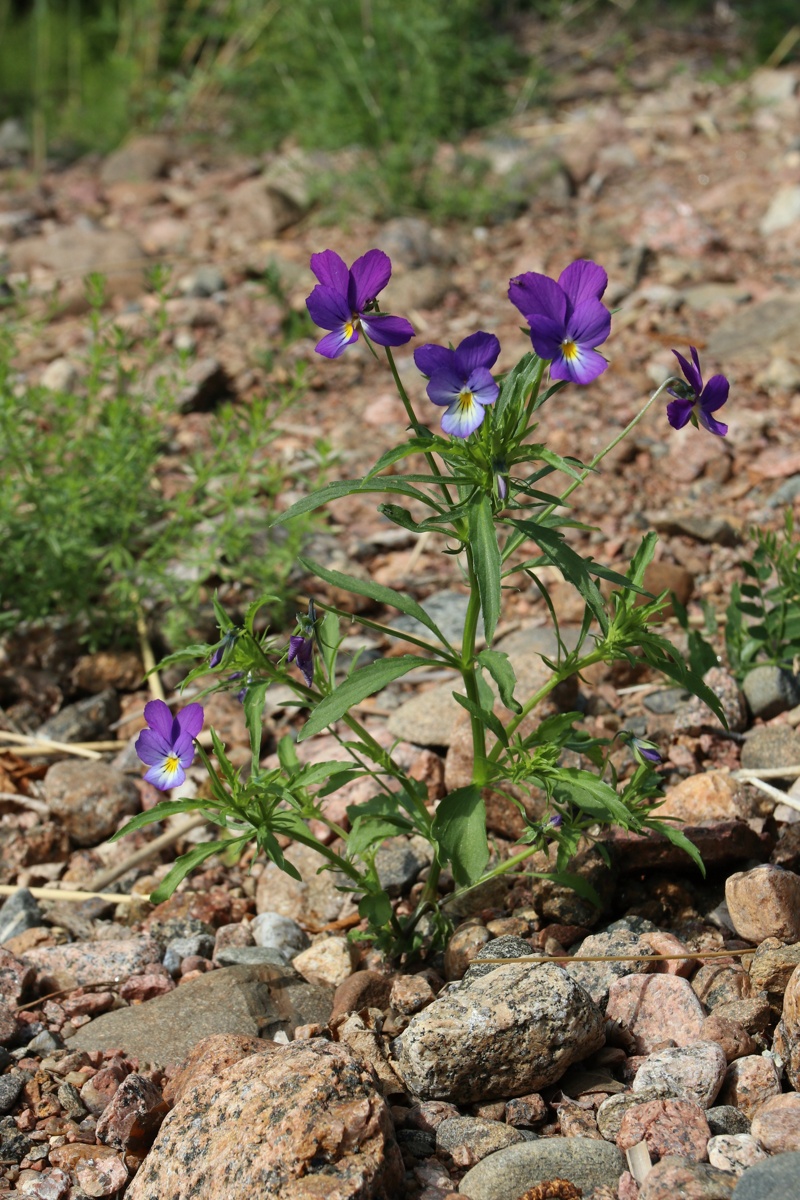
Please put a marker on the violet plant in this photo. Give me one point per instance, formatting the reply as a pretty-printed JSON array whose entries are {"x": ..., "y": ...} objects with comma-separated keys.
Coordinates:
[{"x": 484, "y": 489}]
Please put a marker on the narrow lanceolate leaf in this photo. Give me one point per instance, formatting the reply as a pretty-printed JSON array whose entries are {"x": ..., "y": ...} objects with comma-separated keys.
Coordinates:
[
  {"x": 187, "y": 863},
  {"x": 487, "y": 563},
  {"x": 364, "y": 681},
  {"x": 459, "y": 827},
  {"x": 160, "y": 812},
  {"x": 377, "y": 592},
  {"x": 349, "y": 487},
  {"x": 499, "y": 667},
  {"x": 415, "y": 445},
  {"x": 253, "y": 713},
  {"x": 678, "y": 838}
]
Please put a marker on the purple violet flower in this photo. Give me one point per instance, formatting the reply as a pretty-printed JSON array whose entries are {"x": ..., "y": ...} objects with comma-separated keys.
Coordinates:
[
  {"x": 694, "y": 402},
  {"x": 223, "y": 646},
  {"x": 344, "y": 302},
  {"x": 460, "y": 380},
  {"x": 167, "y": 747},
  {"x": 566, "y": 319},
  {"x": 301, "y": 645}
]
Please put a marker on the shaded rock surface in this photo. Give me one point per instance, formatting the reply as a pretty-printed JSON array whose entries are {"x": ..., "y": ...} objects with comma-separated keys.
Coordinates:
[{"x": 584, "y": 1162}]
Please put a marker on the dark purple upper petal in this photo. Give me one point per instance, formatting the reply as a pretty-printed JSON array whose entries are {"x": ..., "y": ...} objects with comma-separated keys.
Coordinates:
[
  {"x": 190, "y": 719},
  {"x": 445, "y": 385},
  {"x": 482, "y": 385},
  {"x": 386, "y": 330},
  {"x": 714, "y": 394},
  {"x": 159, "y": 717},
  {"x": 301, "y": 651},
  {"x": 583, "y": 280},
  {"x": 328, "y": 308},
  {"x": 679, "y": 412},
  {"x": 331, "y": 270},
  {"x": 590, "y": 324},
  {"x": 478, "y": 350},
  {"x": 368, "y": 276},
  {"x": 534, "y": 293},
  {"x": 151, "y": 747},
  {"x": 547, "y": 336},
  {"x": 430, "y": 358},
  {"x": 692, "y": 374}
]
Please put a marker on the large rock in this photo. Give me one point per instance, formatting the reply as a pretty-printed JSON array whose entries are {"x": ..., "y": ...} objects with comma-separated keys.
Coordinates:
[
  {"x": 775, "y": 1179},
  {"x": 504, "y": 1034},
  {"x": 79, "y": 964},
  {"x": 252, "y": 1001},
  {"x": 73, "y": 252},
  {"x": 765, "y": 903},
  {"x": 302, "y": 1123},
  {"x": 656, "y": 1009},
  {"x": 89, "y": 798},
  {"x": 584, "y": 1162}
]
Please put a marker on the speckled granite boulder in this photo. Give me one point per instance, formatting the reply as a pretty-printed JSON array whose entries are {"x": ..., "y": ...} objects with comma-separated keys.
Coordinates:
[
  {"x": 585, "y": 1162},
  {"x": 504, "y": 1034},
  {"x": 80, "y": 963},
  {"x": 303, "y": 1123},
  {"x": 693, "y": 1072},
  {"x": 765, "y": 903}
]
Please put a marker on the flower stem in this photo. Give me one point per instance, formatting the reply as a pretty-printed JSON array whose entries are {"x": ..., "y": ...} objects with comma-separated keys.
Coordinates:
[
  {"x": 418, "y": 429},
  {"x": 468, "y": 673}
]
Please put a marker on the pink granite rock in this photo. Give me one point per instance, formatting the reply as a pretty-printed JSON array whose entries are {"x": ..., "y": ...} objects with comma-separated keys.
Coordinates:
[
  {"x": 790, "y": 1024},
  {"x": 676, "y": 1179},
  {"x": 133, "y": 1116},
  {"x": 81, "y": 963},
  {"x": 668, "y": 1127},
  {"x": 656, "y": 1009},
  {"x": 302, "y": 1123},
  {"x": 101, "y": 1176},
  {"x": 666, "y": 943},
  {"x": 749, "y": 1083},
  {"x": 15, "y": 978},
  {"x": 710, "y": 796},
  {"x": 776, "y": 1125},
  {"x": 734, "y": 1039},
  {"x": 735, "y": 1152},
  {"x": 693, "y": 1072},
  {"x": 765, "y": 902}
]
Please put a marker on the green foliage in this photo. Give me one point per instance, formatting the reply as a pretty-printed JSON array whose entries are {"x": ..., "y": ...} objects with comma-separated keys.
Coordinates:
[
  {"x": 762, "y": 622},
  {"x": 87, "y": 530}
]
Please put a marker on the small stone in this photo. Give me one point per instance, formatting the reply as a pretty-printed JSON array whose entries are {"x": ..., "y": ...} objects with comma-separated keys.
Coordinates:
[
  {"x": 721, "y": 982},
  {"x": 597, "y": 977},
  {"x": 771, "y": 746},
  {"x": 328, "y": 962},
  {"x": 178, "y": 949},
  {"x": 611, "y": 1111},
  {"x": 363, "y": 989},
  {"x": 695, "y": 716},
  {"x": 202, "y": 281},
  {"x": 724, "y": 1119},
  {"x": 764, "y": 903},
  {"x": 576, "y": 1121},
  {"x": 749, "y": 1083},
  {"x": 693, "y": 1072},
  {"x": 526, "y": 1112},
  {"x": 314, "y": 897},
  {"x": 732, "y": 1037},
  {"x": 775, "y": 1179},
  {"x": 15, "y": 979},
  {"x": 84, "y": 721},
  {"x": 10, "y": 1087},
  {"x": 134, "y": 1115},
  {"x": 399, "y": 861},
  {"x": 139, "y": 159},
  {"x": 429, "y": 1115},
  {"x": 771, "y": 968},
  {"x": 14, "y": 1144},
  {"x": 101, "y": 1176},
  {"x": 464, "y": 946},
  {"x": 710, "y": 796},
  {"x": 89, "y": 798},
  {"x": 770, "y": 690},
  {"x": 751, "y": 1012},
  {"x": 507, "y": 1033},
  {"x": 674, "y": 1176},
  {"x": 280, "y": 932},
  {"x": 20, "y": 912},
  {"x": 236, "y": 936},
  {"x": 734, "y": 1152},
  {"x": 668, "y": 1127},
  {"x": 466, "y": 1140},
  {"x": 776, "y": 1124},
  {"x": 655, "y": 1009},
  {"x": 251, "y": 956},
  {"x": 410, "y": 994},
  {"x": 585, "y": 1162},
  {"x": 80, "y": 963}
]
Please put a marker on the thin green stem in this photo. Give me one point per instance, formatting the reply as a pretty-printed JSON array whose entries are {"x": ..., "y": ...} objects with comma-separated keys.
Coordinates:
[
  {"x": 418, "y": 429},
  {"x": 468, "y": 673}
]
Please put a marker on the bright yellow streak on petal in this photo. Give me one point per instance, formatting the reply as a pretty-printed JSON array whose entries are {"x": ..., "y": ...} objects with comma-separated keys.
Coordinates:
[
  {"x": 349, "y": 329},
  {"x": 171, "y": 763},
  {"x": 465, "y": 400},
  {"x": 570, "y": 349}
]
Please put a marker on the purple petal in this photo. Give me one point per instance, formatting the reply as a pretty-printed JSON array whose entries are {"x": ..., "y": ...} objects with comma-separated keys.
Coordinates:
[
  {"x": 369, "y": 275},
  {"x": 590, "y": 324},
  {"x": 692, "y": 374},
  {"x": 478, "y": 350},
  {"x": 301, "y": 651},
  {"x": 328, "y": 309},
  {"x": 445, "y": 386},
  {"x": 159, "y": 717},
  {"x": 482, "y": 385},
  {"x": 190, "y": 719},
  {"x": 546, "y": 336},
  {"x": 715, "y": 393},
  {"x": 534, "y": 293},
  {"x": 151, "y": 747},
  {"x": 334, "y": 344},
  {"x": 712, "y": 425},
  {"x": 331, "y": 270},
  {"x": 463, "y": 417},
  {"x": 583, "y": 280},
  {"x": 430, "y": 358},
  {"x": 165, "y": 776},
  {"x": 581, "y": 366},
  {"x": 679, "y": 413},
  {"x": 386, "y": 330}
]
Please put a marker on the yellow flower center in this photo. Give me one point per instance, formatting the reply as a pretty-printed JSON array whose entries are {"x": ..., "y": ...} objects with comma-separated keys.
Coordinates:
[
  {"x": 171, "y": 763},
  {"x": 465, "y": 400},
  {"x": 349, "y": 327},
  {"x": 569, "y": 348}
]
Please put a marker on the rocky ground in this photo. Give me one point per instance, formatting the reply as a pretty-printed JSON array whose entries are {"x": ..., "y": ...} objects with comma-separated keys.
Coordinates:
[{"x": 232, "y": 1041}]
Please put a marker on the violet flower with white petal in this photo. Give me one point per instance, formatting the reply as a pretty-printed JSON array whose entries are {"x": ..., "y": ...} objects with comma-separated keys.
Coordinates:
[
  {"x": 566, "y": 319},
  {"x": 695, "y": 402},
  {"x": 167, "y": 747},
  {"x": 461, "y": 381},
  {"x": 344, "y": 302}
]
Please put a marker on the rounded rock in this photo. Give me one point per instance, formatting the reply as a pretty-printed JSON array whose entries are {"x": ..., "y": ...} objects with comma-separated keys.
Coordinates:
[
  {"x": 764, "y": 903},
  {"x": 89, "y": 798},
  {"x": 776, "y": 1124},
  {"x": 675, "y": 1177},
  {"x": 775, "y": 1179},
  {"x": 655, "y": 1009},
  {"x": 668, "y": 1127},
  {"x": 734, "y": 1152},
  {"x": 692, "y": 1072},
  {"x": 506, "y": 1175},
  {"x": 749, "y": 1083},
  {"x": 328, "y": 962}
]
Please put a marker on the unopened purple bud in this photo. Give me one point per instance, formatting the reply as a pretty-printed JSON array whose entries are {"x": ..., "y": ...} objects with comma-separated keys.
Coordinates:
[
  {"x": 556, "y": 821},
  {"x": 223, "y": 648},
  {"x": 645, "y": 752},
  {"x": 301, "y": 652}
]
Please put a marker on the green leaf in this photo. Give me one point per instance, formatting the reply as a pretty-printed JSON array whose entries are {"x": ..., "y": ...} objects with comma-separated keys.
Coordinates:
[
  {"x": 574, "y": 568},
  {"x": 459, "y": 828},
  {"x": 414, "y": 445},
  {"x": 287, "y": 754},
  {"x": 484, "y": 715},
  {"x": 487, "y": 563},
  {"x": 642, "y": 558},
  {"x": 364, "y": 681},
  {"x": 253, "y": 713},
  {"x": 368, "y": 830},
  {"x": 187, "y": 862},
  {"x": 678, "y": 838},
  {"x": 351, "y": 487},
  {"x": 499, "y": 667},
  {"x": 376, "y": 908},
  {"x": 590, "y": 794},
  {"x": 377, "y": 592},
  {"x": 160, "y": 812},
  {"x": 517, "y": 384}
]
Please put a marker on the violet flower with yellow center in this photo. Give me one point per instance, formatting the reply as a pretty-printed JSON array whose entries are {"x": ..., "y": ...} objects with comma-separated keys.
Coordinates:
[
  {"x": 460, "y": 380},
  {"x": 695, "y": 402},
  {"x": 344, "y": 302},
  {"x": 567, "y": 320},
  {"x": 167, "y": 747}
]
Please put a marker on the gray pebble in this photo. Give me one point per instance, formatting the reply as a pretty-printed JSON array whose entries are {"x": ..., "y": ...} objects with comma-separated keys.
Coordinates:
[
  {"x": 10, "y": 1087},
  {"x": 585, "y": 1162},
  {"x": 775, "y": 1179},
  {"x": 250, "y": 956},
  {"x": 178, "y": 949},
  {"x": 507, "y": 946},
  {"x": 279, "y": 933},
  {"x": 724, "y": 1118},
  {"x": 770, "y": 690},
  {"x": 20, "y": 912}
]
